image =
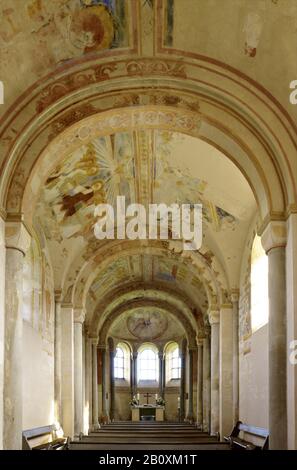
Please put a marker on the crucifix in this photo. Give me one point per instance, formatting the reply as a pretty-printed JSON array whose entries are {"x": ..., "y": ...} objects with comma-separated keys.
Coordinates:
[{"x": 147, "y": 395}]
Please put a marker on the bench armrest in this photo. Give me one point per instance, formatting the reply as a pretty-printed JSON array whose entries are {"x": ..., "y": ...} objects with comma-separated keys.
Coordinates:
[{"x": 236, "y": 441}]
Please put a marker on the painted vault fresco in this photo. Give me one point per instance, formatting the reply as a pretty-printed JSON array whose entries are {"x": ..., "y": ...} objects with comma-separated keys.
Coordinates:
[
  {"x": 135, "y": 268},
  {"x": 138, "y": 333},
  {"x": 140, "y": 166},
  {"x": 64, "y": 29}
]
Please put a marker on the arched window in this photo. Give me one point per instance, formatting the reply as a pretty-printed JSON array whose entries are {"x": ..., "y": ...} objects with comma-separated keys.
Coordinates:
[
  {"x": 173, "y": 362},
  {"x": 259, "y": 286},
  {"x": 148, "y": 363},
  {"x": 119, "y": 364},
  {"x": 122, "y": 362}
]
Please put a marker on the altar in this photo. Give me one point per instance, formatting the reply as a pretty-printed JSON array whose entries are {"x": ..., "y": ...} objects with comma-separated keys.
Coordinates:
[{"x": 148, "y": 413}]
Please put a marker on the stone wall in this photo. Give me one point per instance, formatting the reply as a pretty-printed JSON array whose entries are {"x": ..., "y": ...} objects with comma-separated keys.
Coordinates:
[
  {"x": 122, "y": 398},
  {"x": 253, "y": 349},
  {"x": 253, "y": 380},
  {"x": 171, "y": 408},
  {"x": 2, "y": 314},
  {"x": 38, "y": 340},
  {"x": 38, "y": 379},
  {"x": 291, "y": 250}
]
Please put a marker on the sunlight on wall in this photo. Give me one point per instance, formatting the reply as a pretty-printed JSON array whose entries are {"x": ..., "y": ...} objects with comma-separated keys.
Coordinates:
[
  {"x": 51, "y": 417},
  {"x": 259, "y": 286},
  {"x": 86, "y": 418}
]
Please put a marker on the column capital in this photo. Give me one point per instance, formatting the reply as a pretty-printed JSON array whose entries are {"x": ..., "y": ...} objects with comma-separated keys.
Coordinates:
[
  {"x": 206, "y": 331},
  {"x": 274, "y": 235},
  {"x": 226, "y": 307},
  {"x": 58, "y": 295},
  {"x": 88, "y": 330},
  {"x": 79, "y": 315},
  {"x": 66, "y": 305},
  {"x": 94, "y": 340},
  {"x": 214, "y": 317},
  {"x": 234, "y": 294},
  {"x": 199, "y": 341},
  {"x": 3, "y": 214},
  {"x": 110, "y": 343},
  {"x": 213, "y": 307},
  {"x": 17, "y": 236}
]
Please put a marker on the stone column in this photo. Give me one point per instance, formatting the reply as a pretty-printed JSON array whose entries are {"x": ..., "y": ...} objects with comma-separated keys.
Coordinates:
[
  {"x": 99, "y": 382},
  {"x": 131, "y": 375},
  {"x": 78, "y": 371},
  {"x": 291, "y": 283},
  {"x": 84, "y": 409},
  {"x": 88, "y": 379},
  {"x": 134, "y": 373},
  {"x": 274, "y": 243},
  {"x": 17, "y": 243},
  {"x": 200, "y": 384},
  {"x": 190, "y": 403},
  {"x": 111, "y": 377},
  {"x": 161, "y": 366},
  {"x": 2, "y": 323},
  {"x": 206, "y": 383},
  {"x": 13, "y": 409},
  {"x": 58, "y": 357},
  {"x": 214, "y": 320},
  {"x": 67, "y": 369},
  {"x": 226, "y": 370},
  {"x": 104, "y": 388},
  {"x": 235, "y": 319},
  {"x": 94, "y": 384},
  {"x": 182, "y": 381},
  {"x": 164, "y": 374}
]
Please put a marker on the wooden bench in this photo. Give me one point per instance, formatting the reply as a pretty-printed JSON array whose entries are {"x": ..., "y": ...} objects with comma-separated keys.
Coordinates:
[
  {"x": 238, "y": 443},
  {"x": 45, "y": 438}
]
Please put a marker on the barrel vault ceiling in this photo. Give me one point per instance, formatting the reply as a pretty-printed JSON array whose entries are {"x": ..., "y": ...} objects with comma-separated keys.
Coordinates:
[{"x": 39, "y": 38}]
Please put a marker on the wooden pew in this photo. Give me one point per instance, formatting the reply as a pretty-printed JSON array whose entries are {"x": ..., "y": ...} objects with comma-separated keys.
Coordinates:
[
  {"x": 45, "y": 438},
  {"x": 237, "y": 442}
]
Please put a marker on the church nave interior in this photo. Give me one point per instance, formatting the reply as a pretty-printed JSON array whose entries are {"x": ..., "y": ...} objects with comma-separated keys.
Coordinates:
[{"x": 161, "y": 102}]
